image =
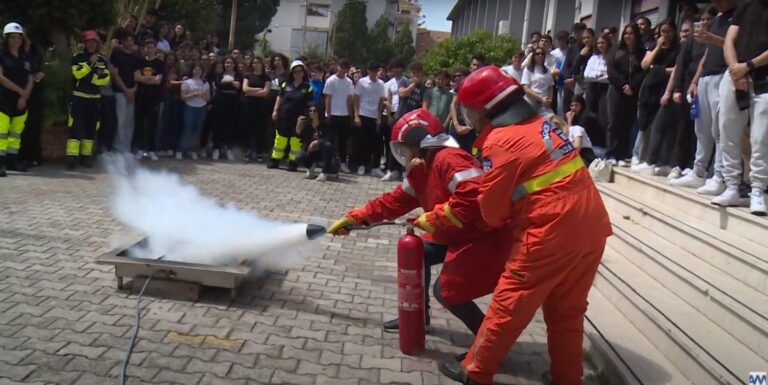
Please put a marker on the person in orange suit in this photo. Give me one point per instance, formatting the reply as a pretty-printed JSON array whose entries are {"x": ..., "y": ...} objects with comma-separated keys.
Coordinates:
[
  {"x": 535, "y": 177},
  {"x": 444, "y": 181}
]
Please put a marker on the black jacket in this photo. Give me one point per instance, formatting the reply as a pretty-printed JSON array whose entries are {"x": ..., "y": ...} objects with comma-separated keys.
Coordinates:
[{"x": 624, "y": 68}]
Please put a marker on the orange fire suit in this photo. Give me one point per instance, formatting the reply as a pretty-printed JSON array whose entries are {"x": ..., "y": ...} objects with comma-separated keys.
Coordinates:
[{"x": 535, "y": 177}]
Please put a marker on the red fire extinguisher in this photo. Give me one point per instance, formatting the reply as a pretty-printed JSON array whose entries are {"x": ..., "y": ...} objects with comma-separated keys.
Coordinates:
[{"x": 410, "y": 295}]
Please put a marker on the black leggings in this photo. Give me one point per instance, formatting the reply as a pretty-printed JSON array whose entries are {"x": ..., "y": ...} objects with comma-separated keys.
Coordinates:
[{"x": 468, "y": 312}]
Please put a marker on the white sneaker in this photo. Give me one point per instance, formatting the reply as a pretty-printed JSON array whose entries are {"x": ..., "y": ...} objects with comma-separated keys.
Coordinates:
[
  {"x": 614, "y": 162},
  {"x": 713, "y": 186},
  {"x": 643, "y": 168},
  {"x": 344, "y": 168},
  {"x": 203, "y": 154},
  {"x": 674, "y": 173},
  {"x": 361, "y": 170},
  {"x": 215, "y": 155},
  {"x": 310, "y": 174},
  {"x": 622, "y": 163},
  {"x": 729, "y": 197},
  {"x": 392, "y": 176},
  {"x": 153, "y": 156},
  {"x": 321, "y": 178},
  {"x": 686, "y": 172},
  {"x": 662, "y": 171},
  {"x": 139, "y": 155},
  {"x": 635, "y": 161},
  {"x": 193, "y": 155},
  {"x": 377, "y": 173},
  {"x": 169, "y": 153},
  {"x": 690, "y": 180},
  {"x": 757, "y": 202},
  {"x": 230, "y": 156},
  {"x": 179, "y": 156}
]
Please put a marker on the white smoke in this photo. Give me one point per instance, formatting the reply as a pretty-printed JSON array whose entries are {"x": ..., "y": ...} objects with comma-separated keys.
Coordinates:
[{"x": 183, "y": 225}]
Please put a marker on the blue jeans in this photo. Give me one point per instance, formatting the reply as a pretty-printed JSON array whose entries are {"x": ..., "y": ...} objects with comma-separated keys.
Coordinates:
[
  {"x": 325, "y": 154},
  {"x": 194, "y": 118}
]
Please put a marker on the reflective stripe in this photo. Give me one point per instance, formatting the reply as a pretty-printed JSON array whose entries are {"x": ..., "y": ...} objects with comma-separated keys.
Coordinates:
[
  {"x": 80, "y": 70},
  {"x": 449, "y": 214},
  {"x": 407, "y": 188},
  {"x": 542, "y": 181},
  {"x": 503, "y": 94},
  {"x": 462, "y": 176},
  {"x": 87, "y": 96},
  {"x": 424, "y": 224},
  {"x": 73, "y": 147},
  {"x": 86, "y": 147}
]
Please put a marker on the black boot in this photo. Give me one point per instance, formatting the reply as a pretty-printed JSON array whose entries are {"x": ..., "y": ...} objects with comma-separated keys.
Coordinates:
[
  {"x": 3, "y": 174},
  {"x": 86, "y": 161},
  {"x": 71, "y": 162},
  {"x": 14, "y": 164},
  {"x": 453, "y": 370},
  {"x": 393, "y": 326},
  {"x": 273, "y": 163},
  {"x": 292, "y": 166}
]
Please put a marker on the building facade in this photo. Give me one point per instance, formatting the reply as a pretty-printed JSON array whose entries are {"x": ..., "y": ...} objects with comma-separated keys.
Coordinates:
[
  {"x": 303, "y": 25},
  {"x": 521, "y": 17}
]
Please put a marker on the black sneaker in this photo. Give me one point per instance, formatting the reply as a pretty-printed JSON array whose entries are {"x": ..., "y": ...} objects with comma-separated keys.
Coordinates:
[
  {"x": 3, "y": 174},
  {"x": 86, "y": 161},
  {"x": 393, "y": 326},
  {"x": 293, "y": 166},
  {"x": 71, "y": 162},
  {"x": 454, "y": 371},
  {"x": 14, "y": 164},
  {"x": 273, "y": 163}
]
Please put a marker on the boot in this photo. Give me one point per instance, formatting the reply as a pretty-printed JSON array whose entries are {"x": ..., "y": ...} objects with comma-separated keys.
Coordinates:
[
  {"x": 393, "y": 326},
  {"x": 273, "y": 163},
  {"x": 292, "y": 165},
  {"x": 14, "y": 164},
  {"x": 71, "y": 162},
  {"x": 453, "y": 370},
  {"x": 86, "y": 161},
  {"x": 3, "y": 174}
]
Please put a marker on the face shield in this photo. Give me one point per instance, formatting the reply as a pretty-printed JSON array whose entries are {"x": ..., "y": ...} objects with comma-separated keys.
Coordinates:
[
  {"x": 471, "y": 117},
  {"x": 400, "y": 152}
]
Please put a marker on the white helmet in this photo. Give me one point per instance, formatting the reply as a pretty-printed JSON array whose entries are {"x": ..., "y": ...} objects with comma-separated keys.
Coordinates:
[
  {"x": 12, "y": 28},
  {"x": 297, "y": 63}
]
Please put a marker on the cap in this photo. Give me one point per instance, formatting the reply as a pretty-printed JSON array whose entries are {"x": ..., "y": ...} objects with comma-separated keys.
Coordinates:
[
  {"x": 12, "y": 28},
  {"x": 297, "y": 63}
]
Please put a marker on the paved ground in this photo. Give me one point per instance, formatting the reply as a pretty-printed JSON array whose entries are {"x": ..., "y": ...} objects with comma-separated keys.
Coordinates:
[{"x": 63, "y": 321}]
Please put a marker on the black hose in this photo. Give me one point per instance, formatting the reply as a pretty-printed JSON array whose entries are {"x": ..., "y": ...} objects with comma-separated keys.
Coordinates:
[
  {"x": 131, "y": 345},
  {"x": 379, "y": 224}
]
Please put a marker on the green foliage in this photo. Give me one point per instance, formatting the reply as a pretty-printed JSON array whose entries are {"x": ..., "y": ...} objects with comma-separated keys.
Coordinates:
[
  {"x": 350, "y": 29},
  {"x": 404, "y": 49},
  {"x": 199, "y": 16},
  {"x": 56, "y": 91},
  {"x": 253, "y": 17},
  {"x": 453, "y": 53},
  {"x": 314, "y": 53},
  {"x": 380, "y": 48},
  {"x": 44, "y": 18}
]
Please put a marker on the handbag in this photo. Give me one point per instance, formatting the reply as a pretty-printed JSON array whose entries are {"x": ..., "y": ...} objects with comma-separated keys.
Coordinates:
[{"x": 601, "y": 170}]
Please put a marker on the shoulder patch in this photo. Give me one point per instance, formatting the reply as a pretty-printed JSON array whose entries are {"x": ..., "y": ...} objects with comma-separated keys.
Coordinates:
[{"x": 487, "y": 164}]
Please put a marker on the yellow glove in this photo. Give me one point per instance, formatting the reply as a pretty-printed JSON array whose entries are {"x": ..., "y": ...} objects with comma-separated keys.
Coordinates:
[
  {"x": 339, "y": 227},
  {"x": 422, "y": 222}
]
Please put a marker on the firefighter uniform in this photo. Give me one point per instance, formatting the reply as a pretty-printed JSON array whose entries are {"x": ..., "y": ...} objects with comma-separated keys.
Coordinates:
[
  {"x": 17, "y": 69},
  {"x": 84, "y": 108},
  {"x": 293, "y": 103},
  {"x": 535, "y": 177}
]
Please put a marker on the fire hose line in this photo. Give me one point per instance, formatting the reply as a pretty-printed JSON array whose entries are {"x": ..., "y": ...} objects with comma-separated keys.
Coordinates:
[{"x": 132, "y": 344}]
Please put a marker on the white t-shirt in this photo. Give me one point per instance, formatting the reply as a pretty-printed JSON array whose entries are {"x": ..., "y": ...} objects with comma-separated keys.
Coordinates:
[
  {"x": 339, "y": 89},
  {"x": 596, "y": 70},
  {"x": 191, "y": 85},
  {"x": 511, "y": 71},
  {"x": 393, "y": 86},
  {"x": 540, "y": 82},
  {"x": 579, "y": 131},
  {"x": 370, "y": 93}
]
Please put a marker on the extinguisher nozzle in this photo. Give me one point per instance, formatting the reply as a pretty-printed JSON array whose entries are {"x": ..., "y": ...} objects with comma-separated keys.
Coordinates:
[{"x": 315, "y": 231}]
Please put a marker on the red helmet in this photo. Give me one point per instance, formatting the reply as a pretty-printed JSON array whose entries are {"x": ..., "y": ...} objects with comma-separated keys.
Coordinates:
[
  {"x": 90, "y": 35},
  {"x": 418, "y": 128},
  {"x": 491, "y": 92}
]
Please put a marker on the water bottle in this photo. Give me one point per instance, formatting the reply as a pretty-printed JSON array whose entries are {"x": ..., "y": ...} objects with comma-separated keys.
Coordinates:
[{"x": 695, "y": 108}]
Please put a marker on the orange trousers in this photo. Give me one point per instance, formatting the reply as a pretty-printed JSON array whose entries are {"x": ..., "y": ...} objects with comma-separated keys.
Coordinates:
[{"x": 557, "y": 277}]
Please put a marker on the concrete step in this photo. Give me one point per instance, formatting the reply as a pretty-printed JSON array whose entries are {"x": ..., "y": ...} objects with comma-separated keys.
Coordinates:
[
  {"x": 700, "y": 348},
  {"x": 737, "y": 221},
  {"x": 737, "y": 308},
  {"x": 621, "y": 351},
  {"x": 738, "y": 257}
]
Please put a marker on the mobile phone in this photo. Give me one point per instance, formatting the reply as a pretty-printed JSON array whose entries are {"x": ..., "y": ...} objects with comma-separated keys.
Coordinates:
[{"x": 697, "y": 26}]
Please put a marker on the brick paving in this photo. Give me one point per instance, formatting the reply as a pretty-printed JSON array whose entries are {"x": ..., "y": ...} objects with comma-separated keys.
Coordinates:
[{"x": 63, "y": 321}]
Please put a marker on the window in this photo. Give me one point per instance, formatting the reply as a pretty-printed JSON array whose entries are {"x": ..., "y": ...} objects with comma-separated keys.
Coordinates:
[{"x": 318, "y": 10}]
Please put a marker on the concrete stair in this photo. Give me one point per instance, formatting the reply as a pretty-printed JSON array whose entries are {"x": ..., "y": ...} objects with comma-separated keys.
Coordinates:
[{"x": 681, "y": 296}]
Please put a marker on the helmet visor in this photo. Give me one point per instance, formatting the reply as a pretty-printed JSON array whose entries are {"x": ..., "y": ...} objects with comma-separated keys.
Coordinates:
[{"x": 398, "y": 152}]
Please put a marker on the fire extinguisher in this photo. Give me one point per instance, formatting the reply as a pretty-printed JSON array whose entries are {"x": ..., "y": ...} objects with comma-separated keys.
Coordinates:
[{"x": 410, "y": 294}]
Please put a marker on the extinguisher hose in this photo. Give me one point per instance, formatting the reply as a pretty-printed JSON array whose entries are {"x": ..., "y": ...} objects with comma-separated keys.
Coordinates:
[{"x": 378, "y": 224}]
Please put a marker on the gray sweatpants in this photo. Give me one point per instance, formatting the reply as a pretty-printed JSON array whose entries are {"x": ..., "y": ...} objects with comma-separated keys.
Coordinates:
[
  {"x": 708, "y": 127},
  {"x": 125, "y": 123}
]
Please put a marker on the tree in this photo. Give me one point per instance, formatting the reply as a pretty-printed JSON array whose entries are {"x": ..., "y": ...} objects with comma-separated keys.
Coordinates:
[
  {"x": 453, "y": 53},
  {"x": 380, "y": 48},
  {"x": 349, "y": 30},
  {"x": 58, "y": 22},
  {"x": 253, "y": 17},
  {"x": 404, "y": 49}
]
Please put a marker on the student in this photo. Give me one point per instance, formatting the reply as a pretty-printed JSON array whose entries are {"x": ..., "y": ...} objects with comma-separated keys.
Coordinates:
[
  {"x": 339, "y": 92},
  {"x": 123, "y": 64},
  {"x": 538, "y": 83},
  {"x": 149, "y": 94},
  {"x": 228, "y": 86},
  {"x": 394, "y": 169},
  {"x": 369, "y": 98},
  {"x": 256, "y": 88},
  {"x": 315, "y": 148},
  {"x": 438, "y": 99},
  {"x": 196, "y": 93}
]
